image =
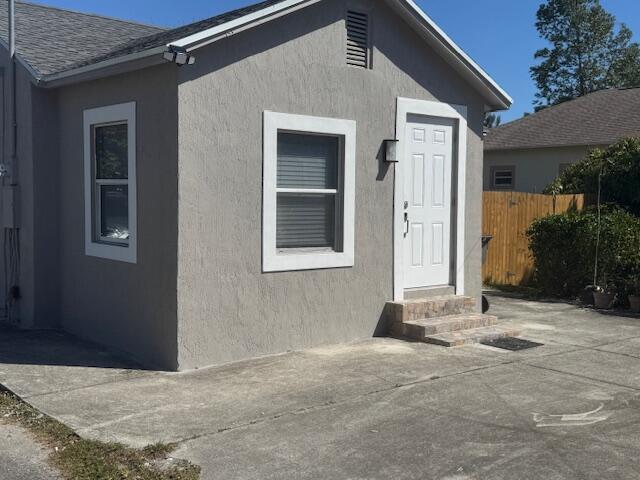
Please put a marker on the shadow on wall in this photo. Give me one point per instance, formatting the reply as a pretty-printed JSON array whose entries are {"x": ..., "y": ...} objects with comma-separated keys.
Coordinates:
[
  {"x": 390, "y": 40},
  {"x": 383, "y": 328},
  {"x": 383, "y": 167},
  {"x": 255, "y": 41},
  {"x": 32, "y": 347}
]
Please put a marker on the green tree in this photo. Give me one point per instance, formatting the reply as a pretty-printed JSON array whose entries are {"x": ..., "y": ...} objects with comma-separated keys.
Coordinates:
[
  {"x": 587, "y": 52},
  {"x": 619, "y": 165}
]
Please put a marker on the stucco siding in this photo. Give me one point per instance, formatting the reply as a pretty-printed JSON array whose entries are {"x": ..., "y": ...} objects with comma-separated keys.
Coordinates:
[
  {"x": 228, "y": 308},
  {"x": 535, "y": 169},
  {"x": 131, "y": 307}
]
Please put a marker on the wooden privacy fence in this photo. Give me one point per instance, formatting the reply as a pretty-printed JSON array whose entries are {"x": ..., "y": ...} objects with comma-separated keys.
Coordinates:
[{"x": 506, "y": 217}]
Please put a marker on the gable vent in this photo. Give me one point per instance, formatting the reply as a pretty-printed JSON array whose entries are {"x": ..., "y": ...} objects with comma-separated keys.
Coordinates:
[{"x": 357, "y": 39}]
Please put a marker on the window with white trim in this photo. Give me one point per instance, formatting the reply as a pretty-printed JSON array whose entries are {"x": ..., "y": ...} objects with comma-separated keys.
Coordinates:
[
  {"x": 503, "y": 178},
  {"x": 308, "y": 192},
  {"x": 110, "y": 182}
]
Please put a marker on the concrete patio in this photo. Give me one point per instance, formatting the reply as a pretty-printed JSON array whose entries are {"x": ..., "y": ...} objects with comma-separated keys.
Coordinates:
[{"x": 377, "y": 409}]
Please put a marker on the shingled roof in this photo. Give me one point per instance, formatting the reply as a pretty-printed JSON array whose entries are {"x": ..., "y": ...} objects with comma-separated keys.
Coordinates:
[
  {"x": 166, "y": 37},
  {"x": 52, "y": 40},
  {"x": 599, "y": 118},
  {"x": 61, "y": 46}
]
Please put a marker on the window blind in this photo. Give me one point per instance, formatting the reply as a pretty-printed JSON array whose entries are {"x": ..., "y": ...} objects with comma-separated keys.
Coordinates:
[
  {"x": 307, "y": 161},
  {"x": 305, "y": 218}
]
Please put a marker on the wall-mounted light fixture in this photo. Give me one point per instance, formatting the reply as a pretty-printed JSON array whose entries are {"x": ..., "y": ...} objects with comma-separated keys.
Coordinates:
[{"x": 391, "y": 151}]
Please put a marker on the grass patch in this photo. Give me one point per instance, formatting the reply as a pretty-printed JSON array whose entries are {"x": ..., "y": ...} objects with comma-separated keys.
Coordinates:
[{"x": 80, "y": 459}]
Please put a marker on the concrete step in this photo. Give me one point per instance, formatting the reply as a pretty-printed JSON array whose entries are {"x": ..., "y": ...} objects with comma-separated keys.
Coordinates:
[
  {"x": 470, "y": 336},
  {"x": 432, "y": 307},
  {"x": 427, "y": 292},
  {"x": 418, "y": 329}
]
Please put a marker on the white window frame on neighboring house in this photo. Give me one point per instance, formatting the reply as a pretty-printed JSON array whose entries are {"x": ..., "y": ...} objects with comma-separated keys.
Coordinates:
[
  {"x": 503, "y": 168},
  {"x": 274, "y": 259},
  {"x": 124, "y": 250}
]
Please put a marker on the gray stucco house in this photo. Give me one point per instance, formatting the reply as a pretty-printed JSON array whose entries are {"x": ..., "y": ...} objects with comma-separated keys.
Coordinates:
[
  {"x": 526, "y": 155},
  {"x": 224, "y": 190}
]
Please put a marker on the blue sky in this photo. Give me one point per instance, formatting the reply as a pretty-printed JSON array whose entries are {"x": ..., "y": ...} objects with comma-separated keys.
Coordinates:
[{"x": 499, "y": 34}]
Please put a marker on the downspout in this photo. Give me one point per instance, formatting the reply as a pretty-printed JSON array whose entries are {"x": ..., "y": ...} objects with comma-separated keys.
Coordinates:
[
  {"x": 14, "y": 111},
  {"x": 11, "y": 243}
]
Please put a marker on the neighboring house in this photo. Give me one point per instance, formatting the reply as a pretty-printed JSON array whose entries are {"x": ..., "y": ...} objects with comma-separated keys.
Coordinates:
[
  {"x": 527, "y": 154},
  {"x": 241, "y": 205}
]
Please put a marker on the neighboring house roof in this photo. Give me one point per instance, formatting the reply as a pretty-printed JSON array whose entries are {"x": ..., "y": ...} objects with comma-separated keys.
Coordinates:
[
  {"x": 72, "y": 44},
  {"x": 51, "y": 40},
  {"x": 599, "y": 118}
]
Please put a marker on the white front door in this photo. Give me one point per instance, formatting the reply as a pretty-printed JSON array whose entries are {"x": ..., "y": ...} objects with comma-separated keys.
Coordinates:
[{"x": 427, "y": 172}]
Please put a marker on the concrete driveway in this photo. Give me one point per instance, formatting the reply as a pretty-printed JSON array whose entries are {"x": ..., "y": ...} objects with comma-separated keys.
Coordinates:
[{"x": 377, "y": 409}]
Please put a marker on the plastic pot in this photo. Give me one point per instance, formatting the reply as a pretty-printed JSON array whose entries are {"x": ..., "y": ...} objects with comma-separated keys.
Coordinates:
[
  {"x": 634, "y": 302},
  {"x": 603, "y": 300}
]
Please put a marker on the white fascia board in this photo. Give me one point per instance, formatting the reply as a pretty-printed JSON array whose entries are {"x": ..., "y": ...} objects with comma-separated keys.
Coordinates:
[
  {"x": 500, "y": 94},
  {"x": 210, "y": 35}
]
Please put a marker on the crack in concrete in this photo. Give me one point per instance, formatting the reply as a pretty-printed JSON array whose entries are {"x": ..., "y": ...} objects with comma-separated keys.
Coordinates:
[
  {"x": 392, "y": 386},
  {"x": 331, "y": 403},
  {"x": 98, "y": 384},
  {"x": 405, "y": 385}
]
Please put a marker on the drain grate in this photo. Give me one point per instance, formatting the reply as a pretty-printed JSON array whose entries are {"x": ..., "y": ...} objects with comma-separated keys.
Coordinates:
[{"x": 511, "y": 343}]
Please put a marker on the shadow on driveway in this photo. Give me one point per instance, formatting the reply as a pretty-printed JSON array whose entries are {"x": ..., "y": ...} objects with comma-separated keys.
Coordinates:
[
  {"x": 50, "y": 347},
  {"x": 376, "y": 409}
]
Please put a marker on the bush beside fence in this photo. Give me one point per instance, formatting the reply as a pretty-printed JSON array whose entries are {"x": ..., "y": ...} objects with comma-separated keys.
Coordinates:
[{"x": 564, "y": 251}]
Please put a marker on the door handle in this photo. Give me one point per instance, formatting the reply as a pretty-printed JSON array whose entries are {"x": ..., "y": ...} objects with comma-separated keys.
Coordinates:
[{"x": 406, "y": 223}]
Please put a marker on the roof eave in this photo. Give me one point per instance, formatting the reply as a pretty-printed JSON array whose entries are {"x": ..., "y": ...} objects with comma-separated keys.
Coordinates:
[
  {"x": 496, "y": 97},
  {"x": 210, "y": 35},
  {"x": 154, "y": 56},
  {"x": 35, "y": 75},
  {"x": 112, "y": 66},
  {"x": 105, "y": 68},
  {"x": 542, "y": 147}
]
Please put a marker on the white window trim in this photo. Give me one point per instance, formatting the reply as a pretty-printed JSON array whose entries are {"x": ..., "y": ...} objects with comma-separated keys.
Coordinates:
[
  {"x": 272, "y": 261},
  {"x": 458, "y": 113},
  {"x": 96, "y": 116}
]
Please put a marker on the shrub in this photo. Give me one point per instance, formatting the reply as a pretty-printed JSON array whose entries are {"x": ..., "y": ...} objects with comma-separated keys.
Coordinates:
[
  {"x": 564, "y": 247},
  {"x": 620, "y": 165}
]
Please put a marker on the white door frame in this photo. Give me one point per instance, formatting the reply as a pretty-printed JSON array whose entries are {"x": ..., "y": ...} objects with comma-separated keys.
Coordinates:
[{"x": 458, "y": 113}]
